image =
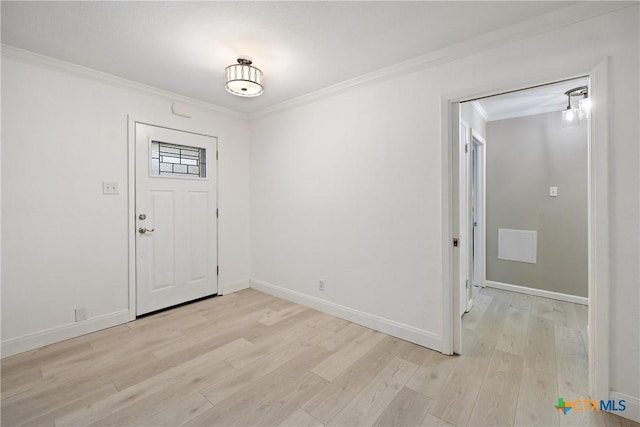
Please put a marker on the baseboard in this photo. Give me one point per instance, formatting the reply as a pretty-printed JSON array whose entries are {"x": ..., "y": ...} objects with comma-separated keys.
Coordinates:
[
  {"x": 538, "y": 292},
  {"x": 236, "y": 286},
  {"x": 387, "y": 326},
  {"x": 632, "y": 403},
  {"x": 39, "y": 339}
]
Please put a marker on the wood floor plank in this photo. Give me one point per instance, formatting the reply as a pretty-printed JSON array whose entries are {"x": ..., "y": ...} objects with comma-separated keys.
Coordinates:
[
  {"x": 300, "y": 418},
  {"x": 343, "y": 336},
  {"x": 513, "y": 338},
  {"x": 45, "y": 415},
  {"x": 538, "y": 392},
  {"x": 333, "y": 398},
  {"x": 540, "y": 353},
  {"x": 429, "y": 379},
  {"x": 456, "y": 400},
  {"x": 243, "y": 378},
  {"x": 572, "y": 361},
  {"x": 495, "y": 405},
  {"x": 234, "y": 407},
  {"x": 185, "y": 372},
  {"x": 178, "y": 413},
  {"x": 521, "y": 301},
  {"x": 408, "y": 408},
  {"x": 564, "y": 314},
  {"x": 274, "y": 316},
  {"x": 338, "y": 362},
  {"x": 432, "y": 421},
  {"x": 280, "y": 405},
  {"x": 367, "y": 406}
]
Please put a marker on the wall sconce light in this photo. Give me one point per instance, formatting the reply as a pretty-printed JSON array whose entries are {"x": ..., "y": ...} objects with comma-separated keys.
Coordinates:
[
  {"x": 571, "y": 114},
  {"x": 243, "y": 79}
]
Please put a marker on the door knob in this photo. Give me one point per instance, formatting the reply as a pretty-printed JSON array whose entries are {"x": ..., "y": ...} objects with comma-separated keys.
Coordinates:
[{"x": 143, "y": 230}]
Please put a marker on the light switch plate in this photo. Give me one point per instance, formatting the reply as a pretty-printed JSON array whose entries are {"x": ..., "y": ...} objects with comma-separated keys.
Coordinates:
[
  {"x": 553, "y": 191},
  {"x": 110, "y": 188}
]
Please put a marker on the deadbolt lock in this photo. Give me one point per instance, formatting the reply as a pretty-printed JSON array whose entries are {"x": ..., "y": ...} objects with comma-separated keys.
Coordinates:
[{"x": 142, "y": 217}]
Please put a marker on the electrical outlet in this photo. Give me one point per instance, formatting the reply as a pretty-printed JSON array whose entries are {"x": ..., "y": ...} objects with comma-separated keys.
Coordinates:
[
  {"x": 553, "y": 191},
  {"x": 110, "y": 188},
  {"x": 321, "y": 285},
  {"x": 81, "y": 314}
]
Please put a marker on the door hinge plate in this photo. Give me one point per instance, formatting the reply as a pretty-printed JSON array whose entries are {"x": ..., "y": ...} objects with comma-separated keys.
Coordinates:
[
  {"x": 217, "y": 270},
  {"x": 216, "y": 213},
  {"x": 466, "y": 148}
]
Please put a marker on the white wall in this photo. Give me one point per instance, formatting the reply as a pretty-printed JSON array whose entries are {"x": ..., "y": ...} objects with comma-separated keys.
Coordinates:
[
  {"x": 64, "y": 243},
  {"x": 347, "y": 187}
]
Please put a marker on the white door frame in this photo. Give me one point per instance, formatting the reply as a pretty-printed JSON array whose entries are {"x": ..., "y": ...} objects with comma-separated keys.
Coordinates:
[
  {"x": 598, "y": 218},
  {"x": 478, "y": 256},
  {"x": 131, "y": 202}
]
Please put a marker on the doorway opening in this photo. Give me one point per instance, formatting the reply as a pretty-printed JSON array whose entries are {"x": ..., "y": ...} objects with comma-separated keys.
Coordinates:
[
  {"x": 597, "y": 219},
  {"x": 524, "y": 213}
]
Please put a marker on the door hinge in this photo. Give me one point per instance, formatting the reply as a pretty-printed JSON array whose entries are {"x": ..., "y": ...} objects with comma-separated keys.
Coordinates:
[
  {"x": 216, "y": 155},
  {"x": 467, "y": 284},
  {"x": 456, "y": 242},
  {"x": 217, "y": 270},
  {"x": 216, "y": 212},
  {"x": 466, "y": 148}
]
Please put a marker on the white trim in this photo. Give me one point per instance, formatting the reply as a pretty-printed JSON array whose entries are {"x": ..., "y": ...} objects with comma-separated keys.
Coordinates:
[
  {"x": 632, "y": 403},
  {"x": 482, "y": 220},
  {"x": 33, "y": 58},
  {"x": 538, "y": 25},
  {"x": 60, "y": 333},
  {"x": 598, "y": 233},
  {"x": 538, "y": 292},
  {"x": 451, "y": 321},
  {"x": 229, "y": 288},
  {"x": 131, "y": 209},
  {"x": 480, "y": 110},
  {"x": 387, "y": 326}
]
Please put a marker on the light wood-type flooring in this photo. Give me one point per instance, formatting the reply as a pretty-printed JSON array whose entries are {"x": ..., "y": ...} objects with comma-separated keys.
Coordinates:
[{"x": 252, "y": 359}]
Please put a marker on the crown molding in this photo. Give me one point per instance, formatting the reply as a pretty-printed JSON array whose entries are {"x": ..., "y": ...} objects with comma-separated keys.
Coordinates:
[
  {"x": 37, "y": 59},
  {"x": 525, "y": 113},
  {"x": 481, "y": 111},
  {"x": 541, "y": 24}
]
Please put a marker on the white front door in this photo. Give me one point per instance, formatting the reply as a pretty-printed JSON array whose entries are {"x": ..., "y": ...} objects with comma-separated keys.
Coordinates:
[{"x": 176, "y": 225}]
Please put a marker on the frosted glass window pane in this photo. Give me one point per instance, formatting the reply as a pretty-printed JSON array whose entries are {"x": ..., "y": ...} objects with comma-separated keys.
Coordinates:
[
  {"x": 180, "y": 169},
  {"x": 178, "y": 160}
]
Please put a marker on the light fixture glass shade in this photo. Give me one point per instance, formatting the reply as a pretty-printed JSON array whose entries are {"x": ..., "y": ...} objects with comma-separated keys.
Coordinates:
[
  {"x": 569, "y": 114},
  {"x": 585, "y": 108},
  {"x": 243, "y": 79}
]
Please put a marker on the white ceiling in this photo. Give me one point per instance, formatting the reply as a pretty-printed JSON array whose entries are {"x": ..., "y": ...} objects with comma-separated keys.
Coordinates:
[
  {"x": 301, "y": 47},
  {"x": 538, "y": 100}
]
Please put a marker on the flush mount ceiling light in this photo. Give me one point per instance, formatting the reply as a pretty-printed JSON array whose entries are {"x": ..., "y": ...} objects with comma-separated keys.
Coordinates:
[
  {"x": 243, "y": 79},
  {"x": 572, "y": 113}
]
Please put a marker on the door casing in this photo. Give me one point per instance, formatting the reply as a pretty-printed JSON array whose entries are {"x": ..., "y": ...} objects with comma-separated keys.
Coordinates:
[{"x": 131, "y": 202}]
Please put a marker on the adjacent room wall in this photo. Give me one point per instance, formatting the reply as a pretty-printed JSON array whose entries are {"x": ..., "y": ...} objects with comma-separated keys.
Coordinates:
[
  {"x": 347, "y": 187},
  {"x": 526, "y": 156},
  {"x": 64, "y": 243}
]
